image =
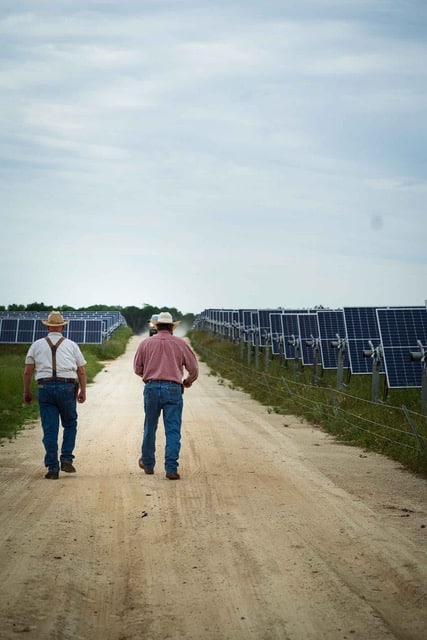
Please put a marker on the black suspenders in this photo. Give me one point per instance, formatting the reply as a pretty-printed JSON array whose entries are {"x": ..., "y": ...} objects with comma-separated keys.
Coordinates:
[{"x": 54, "y": 348}]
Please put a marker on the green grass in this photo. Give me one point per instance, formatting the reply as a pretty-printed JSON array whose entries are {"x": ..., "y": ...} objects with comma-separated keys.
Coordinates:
[
  {"x": 349, "y": 413},
  {"x": 14, "y": 415}
]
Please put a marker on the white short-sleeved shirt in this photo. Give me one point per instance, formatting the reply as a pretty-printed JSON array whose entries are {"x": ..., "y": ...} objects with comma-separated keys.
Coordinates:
[{"x": 68, "y": 357}]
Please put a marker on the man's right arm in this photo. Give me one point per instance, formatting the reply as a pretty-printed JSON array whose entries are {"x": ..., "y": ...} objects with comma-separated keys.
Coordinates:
[
  {"x": 81, "y": 375},
  {"x": 28, "y": 375},
  {"x": 138, "y": 365}
]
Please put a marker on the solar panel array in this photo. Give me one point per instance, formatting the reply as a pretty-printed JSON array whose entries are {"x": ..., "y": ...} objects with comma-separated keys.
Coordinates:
[
  {"x": 402, "y": 331},
  {"x": 362, "y": 332},
  {"x": 84, "y": 327},
  {"x": 383, "y": 336},
  {"x": 331, "y": 330}
]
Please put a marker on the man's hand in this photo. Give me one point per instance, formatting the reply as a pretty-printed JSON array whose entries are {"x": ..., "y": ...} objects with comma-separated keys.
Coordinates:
[{"x": 28, "y": 397}]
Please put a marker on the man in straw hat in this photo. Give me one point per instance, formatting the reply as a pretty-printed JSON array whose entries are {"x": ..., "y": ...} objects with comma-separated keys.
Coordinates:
[
  {"x": 160, "y": 361},
  {"x": 58, "y": 366}
]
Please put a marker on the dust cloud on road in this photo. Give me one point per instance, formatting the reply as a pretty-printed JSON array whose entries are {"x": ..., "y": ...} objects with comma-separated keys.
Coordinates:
[{"x": 273, "y": 532}]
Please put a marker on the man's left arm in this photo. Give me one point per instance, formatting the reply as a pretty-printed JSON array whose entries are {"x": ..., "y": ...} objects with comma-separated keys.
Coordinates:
[{"x": 138, "y": 364}]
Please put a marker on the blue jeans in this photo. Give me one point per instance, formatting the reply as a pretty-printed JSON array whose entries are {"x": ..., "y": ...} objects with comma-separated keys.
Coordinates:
[
  {"x": 163, "y": 397},
  {"x": 58, "y": 400}
]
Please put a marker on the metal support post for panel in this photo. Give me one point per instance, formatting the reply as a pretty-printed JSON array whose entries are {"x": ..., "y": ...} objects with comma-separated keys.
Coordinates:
[
  {"x": 257, "y": 357},
  {"x": 242, "y": 347},
  {"x": 340, "y": 370},
  {"x": 314, "y": 342},
  {"x": 376, "y": 366},
  {"x": 340, "y": 344},
  {"x": 297, "y": 361},
  {"x": 315, "y": 378},
  {"x": 421, "y": 356},
  {"x": 281, "y": 351},
  {"x": 294, "y": 342},
  {"x": 249, "y": 345},
  {"x": 267, "y": 357},
  {"x": 424, "y": 391},
  {"x": 375, "y": 353}
]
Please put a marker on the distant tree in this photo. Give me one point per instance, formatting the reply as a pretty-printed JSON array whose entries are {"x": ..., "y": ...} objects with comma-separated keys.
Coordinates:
[
  {"x": 16, "y": 307},
  {"x": 135, "y": 318},
  {"x": 101, "y": 307},
  {"x": 38, "y": 306}
]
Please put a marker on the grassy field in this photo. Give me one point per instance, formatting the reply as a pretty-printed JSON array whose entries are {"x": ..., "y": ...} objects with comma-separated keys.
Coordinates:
[
  {"x": 393, "y": 426},
  {"x": 14, "y": 415}
]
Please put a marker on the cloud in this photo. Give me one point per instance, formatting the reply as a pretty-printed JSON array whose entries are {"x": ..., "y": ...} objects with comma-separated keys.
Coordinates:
[{"x": 266, "y": 152}]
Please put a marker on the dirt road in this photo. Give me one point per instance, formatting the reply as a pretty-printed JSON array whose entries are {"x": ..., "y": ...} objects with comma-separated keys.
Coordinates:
[{"x": 273, "y": 532}]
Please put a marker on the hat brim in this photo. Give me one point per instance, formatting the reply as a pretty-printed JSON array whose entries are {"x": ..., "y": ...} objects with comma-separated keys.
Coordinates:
[
  {"x": 54, "y": 324},
  {"x": 174, "y": 324}
]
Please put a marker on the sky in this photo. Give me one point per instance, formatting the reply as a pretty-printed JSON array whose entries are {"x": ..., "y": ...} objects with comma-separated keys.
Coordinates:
[{"x": 222, "y": 154}]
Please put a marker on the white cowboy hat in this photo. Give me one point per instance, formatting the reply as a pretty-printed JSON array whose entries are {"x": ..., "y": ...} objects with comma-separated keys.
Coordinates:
[
  {"x": 55, "y": 320},
  {"x": 164, "y": 317}
]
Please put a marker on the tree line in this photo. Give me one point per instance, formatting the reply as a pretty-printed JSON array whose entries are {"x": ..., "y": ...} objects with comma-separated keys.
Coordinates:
[{"x": 137, "y": 318}]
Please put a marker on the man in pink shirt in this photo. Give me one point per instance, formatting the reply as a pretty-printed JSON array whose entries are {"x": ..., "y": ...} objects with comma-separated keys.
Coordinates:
[{"x": 160, "y": 361}]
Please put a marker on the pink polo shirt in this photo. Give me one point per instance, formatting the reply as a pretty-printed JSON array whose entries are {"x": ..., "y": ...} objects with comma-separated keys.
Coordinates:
[{"x": 164, "y": 357}]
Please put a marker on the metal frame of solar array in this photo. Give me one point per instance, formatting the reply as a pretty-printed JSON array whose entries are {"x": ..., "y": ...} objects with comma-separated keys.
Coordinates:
[
  {"x": 264, "y": 327},
  {"x": 83, "y": 328},
  {"x": 276, "y": 333},
  {"x": 362, "y": 332},
  {"x": 388, "y": 335},
  {"x": 290, "y": 333},
  {"x": 246, "y": 323},
  {"x": 331, "y": 329},
  {"x": 403, "y": 331}
]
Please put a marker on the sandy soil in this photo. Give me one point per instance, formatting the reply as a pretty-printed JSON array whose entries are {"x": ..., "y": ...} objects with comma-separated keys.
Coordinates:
[{"x": 273, "y": 531}]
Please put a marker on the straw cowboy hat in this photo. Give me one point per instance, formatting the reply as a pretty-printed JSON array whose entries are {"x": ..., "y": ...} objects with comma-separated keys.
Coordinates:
[
  {"x": 55, "y": 320},
  {"x": 165, "y": 317}
]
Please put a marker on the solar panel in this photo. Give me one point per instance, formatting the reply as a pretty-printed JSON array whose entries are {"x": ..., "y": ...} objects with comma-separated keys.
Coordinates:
[
  {"x": 75, "y": 330},
  {"x": 246, "y": 323},
  {"x": 361, "y": 327},
  {"x": 331, "y": 324},
  {"x": 26, "y": 330},
  {"x": 255, "y": 337},
  {"x": 276, "y": 333},
  {"x": 84, "y": 326},
  {"x": 291, "y": 338},
  {"x": 308, "y": 331},
  {"x": 8, "y": 329},
  {"x": 264, "y": 326},
  {"x": 40, "y": 330},
  {"x": 93, "y": 331},
  {"x": 400, "y": 330}
]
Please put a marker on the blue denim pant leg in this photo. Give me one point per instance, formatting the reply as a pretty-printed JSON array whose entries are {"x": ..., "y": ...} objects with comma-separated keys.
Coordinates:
[
  {"x": 57, "y": 401},
  {"x": 152, "y": 409},
  {"x": 172, "y": 405},
  {"x": 68, "y": 413}
]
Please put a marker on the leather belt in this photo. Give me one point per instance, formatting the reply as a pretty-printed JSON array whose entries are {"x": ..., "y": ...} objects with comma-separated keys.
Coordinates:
[
  {"x": 169, "y": 381},
  {"x": 73, "y": 380}
]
